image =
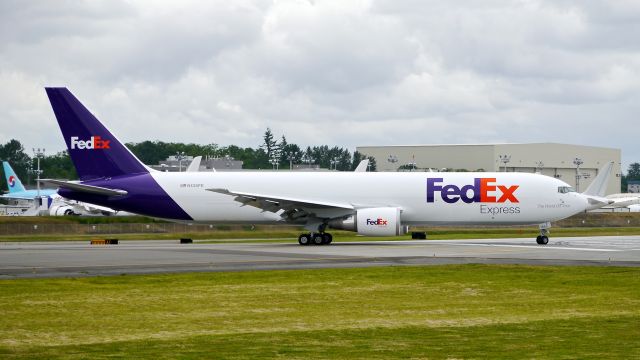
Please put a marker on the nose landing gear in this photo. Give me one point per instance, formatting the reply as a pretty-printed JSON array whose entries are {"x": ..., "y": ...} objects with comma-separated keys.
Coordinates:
[{"x": 543, "y": 238}]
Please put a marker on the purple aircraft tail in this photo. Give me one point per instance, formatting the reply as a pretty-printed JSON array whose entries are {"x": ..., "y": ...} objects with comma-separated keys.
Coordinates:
[{"x": 95, "y": 152}]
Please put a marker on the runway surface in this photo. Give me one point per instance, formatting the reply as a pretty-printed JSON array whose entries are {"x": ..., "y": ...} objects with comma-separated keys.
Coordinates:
[{"x": 70, "y": 259}]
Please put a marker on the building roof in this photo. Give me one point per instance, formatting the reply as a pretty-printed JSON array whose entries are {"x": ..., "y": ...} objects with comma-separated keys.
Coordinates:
[{"x": 489, "y": 144}]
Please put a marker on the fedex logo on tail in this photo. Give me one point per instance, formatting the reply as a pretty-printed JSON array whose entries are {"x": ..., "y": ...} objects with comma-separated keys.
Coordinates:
[
  {"x": 378, "y": 222},
  {"x": 483, "y": 190},
  {"x": 12, "y": 181},
  {"x": 96, "y": 142}
]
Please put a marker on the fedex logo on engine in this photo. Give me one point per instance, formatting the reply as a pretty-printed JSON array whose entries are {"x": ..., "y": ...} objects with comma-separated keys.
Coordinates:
[
  {"x": 377, "y": 222},
  {"x": 483, "y": 190},
  {"x": 12, "y": 181},
  {"x": 96, "y": 142}
]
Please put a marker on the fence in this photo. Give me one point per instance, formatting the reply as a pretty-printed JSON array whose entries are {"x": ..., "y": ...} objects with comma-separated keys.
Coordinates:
[
  {"x": 581, "y": 220},
  {"x": 121, "y": 228}
]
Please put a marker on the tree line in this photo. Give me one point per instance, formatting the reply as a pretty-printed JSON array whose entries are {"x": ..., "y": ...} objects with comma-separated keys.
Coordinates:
[{"x": 273, "y": 152}]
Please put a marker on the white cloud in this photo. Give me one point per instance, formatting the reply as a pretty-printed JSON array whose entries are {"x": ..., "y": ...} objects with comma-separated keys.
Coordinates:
[{"x": 341, "y": 73}]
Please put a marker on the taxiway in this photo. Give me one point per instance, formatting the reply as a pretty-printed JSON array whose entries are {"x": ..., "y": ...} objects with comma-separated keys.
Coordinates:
[{"x": 69, "y": 259}]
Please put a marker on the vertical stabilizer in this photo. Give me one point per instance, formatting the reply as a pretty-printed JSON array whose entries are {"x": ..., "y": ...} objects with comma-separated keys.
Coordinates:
[
  {"x": 195, "y": 164},
  {"x": 362, "y": 166},
  {"x": 95, "y": 152},
  {"x": 15, "y": 185},
  {"x": 598, "y": 186}
]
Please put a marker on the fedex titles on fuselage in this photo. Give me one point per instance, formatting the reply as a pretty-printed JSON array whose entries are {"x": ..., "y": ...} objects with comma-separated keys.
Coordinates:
[
  {"x": 95, "y": 142},
  {"x": 483, "y": 190}
]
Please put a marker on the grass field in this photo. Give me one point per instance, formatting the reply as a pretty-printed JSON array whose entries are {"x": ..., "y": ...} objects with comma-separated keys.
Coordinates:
[{"x": 457, "y": 311}]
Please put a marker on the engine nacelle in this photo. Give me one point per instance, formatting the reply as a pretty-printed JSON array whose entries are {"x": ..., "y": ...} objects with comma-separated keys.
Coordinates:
[
  {"x": 61, "y": 210},
  {"x": 382, "y": 221}
]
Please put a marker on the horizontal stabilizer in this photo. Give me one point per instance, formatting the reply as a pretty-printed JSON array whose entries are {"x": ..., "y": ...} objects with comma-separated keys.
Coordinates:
[{"x": 85, "y": 188}]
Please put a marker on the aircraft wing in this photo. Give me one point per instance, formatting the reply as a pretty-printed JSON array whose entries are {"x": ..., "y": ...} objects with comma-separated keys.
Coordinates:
[
  {"x": 291, "y": 209},
  {"x": 16, "y": 196},
  {"x": 85, "y": 188},
  {"x": 597, "y": 202}
]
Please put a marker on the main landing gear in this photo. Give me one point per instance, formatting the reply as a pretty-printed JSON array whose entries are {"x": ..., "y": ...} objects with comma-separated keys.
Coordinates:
[
  {"x": 543, "y": 238},
  {"x": 315, "y": 239}
]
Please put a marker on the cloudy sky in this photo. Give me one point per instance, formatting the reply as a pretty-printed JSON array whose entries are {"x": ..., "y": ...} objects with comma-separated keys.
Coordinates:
[{"x": 343, "y": 73}]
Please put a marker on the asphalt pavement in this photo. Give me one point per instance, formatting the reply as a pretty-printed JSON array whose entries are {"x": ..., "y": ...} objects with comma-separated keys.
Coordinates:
[{"x": 72, "y": 259}]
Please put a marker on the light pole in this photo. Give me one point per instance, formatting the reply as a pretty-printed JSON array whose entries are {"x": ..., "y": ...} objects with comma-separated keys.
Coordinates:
[
  {"x": 38, "y": 154},
  {"x": 290, "y": 156},
  {"x": 505, "y": 160},
  {"x": 180, "y": 156},
  {"x": 577, "y": 162},
  {"x": 274, "y": 163},
  {"x": 334, "y": 163}
]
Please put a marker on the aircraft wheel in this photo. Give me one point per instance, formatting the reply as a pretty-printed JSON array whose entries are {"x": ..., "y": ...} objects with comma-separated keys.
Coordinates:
[
  {"x": 318, "y": 239},
  {"x": 304, "y": 239},
  {"x": 327, "y": 238},
  {"x": 542, "y": 240}
]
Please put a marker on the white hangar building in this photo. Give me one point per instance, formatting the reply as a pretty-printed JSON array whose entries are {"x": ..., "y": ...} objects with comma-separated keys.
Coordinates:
[{"x": 574, "y": 164}]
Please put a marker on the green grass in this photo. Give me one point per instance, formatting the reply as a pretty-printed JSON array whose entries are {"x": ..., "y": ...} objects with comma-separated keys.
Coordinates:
[{"x": 456, "y": 311}]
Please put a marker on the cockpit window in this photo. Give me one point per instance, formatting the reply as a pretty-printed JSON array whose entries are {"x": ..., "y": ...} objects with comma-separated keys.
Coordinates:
[{"x": 565, "y": 189}]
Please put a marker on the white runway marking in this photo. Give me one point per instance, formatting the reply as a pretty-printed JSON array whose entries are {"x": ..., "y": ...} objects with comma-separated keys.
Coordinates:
[{"x": 549, "y": 247}]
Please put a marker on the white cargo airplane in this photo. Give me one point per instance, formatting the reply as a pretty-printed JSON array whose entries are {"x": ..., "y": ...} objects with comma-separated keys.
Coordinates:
[{"x": 369, "y": 203}]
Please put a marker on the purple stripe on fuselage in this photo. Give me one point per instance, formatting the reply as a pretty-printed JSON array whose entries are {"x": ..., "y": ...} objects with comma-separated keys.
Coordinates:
[{"x": 145, "y": 197}]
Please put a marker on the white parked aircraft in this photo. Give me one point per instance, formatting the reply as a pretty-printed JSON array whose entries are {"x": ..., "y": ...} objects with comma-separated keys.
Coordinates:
[
  {"x": 49, "y": 200},
  {"x": 623, "y": 200},
  {"x": 369, "y": 203},
  {"x": 596, "y": 192}
]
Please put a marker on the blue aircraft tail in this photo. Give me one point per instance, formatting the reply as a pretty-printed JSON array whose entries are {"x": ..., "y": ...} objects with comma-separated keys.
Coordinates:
[
  {"x": 95, "y": 152},
  {"x": 15, "y": 185}
]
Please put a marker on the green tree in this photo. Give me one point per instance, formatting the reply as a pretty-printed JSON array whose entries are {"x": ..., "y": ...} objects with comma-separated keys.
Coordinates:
[
  {"x": 633, "y": 173},
  {"x": 59, "y": 166},
  {"x": 293, "y": 151},
  {"x": 357, "y": 158},
  {"x": 270, "y": 145},
  {"x": 372, "y": 163}
]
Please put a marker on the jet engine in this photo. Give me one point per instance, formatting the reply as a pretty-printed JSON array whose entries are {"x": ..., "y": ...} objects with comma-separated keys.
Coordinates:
[
  {"x": 381, "y": 221},
  {"x": 61, "y": 210}
]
